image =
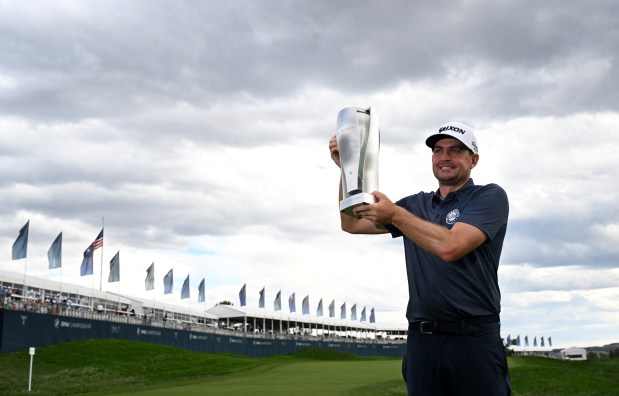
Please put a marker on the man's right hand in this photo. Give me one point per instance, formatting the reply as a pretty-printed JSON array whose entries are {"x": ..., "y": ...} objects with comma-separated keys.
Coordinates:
[{"x": 335, "y": 152}]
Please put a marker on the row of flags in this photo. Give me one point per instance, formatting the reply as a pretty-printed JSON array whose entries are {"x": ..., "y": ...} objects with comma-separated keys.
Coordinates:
[
  {"x": 168, "y": 284},
  {"x": 516, "y": 341},
  {"x": 54, "y": 255},
  {"x": 305, "y": 307}
]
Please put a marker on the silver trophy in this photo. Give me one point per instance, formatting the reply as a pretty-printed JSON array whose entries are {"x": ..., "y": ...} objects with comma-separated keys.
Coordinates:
[{"x": 358, "y": 141}]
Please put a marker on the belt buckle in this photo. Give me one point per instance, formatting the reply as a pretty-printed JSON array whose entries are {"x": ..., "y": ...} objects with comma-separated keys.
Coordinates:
[{"x": 429, "y": 332}]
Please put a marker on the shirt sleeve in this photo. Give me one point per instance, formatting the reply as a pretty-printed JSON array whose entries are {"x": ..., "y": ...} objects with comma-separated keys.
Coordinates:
[{"x": 487, "y": 210}]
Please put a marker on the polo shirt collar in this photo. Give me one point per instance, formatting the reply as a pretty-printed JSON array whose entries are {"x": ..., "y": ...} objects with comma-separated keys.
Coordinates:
[{"x": 454, "y": 194}]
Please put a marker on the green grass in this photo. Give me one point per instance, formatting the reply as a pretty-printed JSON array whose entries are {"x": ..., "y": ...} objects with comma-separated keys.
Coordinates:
[
  {"x": 532, "y": 376},
  {"x": 83, "y": 366},
  {"x": 117, "y": 367}
]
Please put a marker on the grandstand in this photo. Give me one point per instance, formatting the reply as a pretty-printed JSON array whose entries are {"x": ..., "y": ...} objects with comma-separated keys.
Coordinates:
[{"x": 48, "y": 301}]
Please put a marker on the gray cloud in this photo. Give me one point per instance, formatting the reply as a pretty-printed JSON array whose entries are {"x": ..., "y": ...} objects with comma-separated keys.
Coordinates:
[
  {"x": 187, "y": 121},
  {"x": 113, "y": 61}
]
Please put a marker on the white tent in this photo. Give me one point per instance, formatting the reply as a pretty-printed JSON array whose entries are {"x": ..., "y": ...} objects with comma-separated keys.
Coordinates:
[{"x": 574, "y": 353}]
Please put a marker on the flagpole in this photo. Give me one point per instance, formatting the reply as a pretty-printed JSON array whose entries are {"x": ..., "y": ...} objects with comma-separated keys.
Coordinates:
[
  {"x": 92, "y": 288},
  {"x": 101, "y": 276},
  {"x": 190, "y": 313},
  {"x": 154, "y": 304},
  {"x": 25, "y": 267}
]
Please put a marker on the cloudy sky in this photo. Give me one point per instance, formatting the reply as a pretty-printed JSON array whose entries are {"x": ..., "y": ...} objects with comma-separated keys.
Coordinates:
[{"x": 197, "y": 133}]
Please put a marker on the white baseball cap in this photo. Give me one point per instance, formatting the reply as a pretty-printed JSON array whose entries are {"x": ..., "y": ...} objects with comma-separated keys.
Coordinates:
[{"x": 456, "y": 130}]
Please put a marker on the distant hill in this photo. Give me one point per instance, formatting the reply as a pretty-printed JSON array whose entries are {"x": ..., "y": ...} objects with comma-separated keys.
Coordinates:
[{"x": 605, "y": 348}]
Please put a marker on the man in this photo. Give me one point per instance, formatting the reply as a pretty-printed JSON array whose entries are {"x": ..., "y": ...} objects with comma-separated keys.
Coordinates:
[{"x": 452, "y": 241}]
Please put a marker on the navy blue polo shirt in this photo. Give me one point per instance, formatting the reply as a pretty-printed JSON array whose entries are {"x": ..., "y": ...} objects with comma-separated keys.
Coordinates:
[{"x": 448, "y": 291}]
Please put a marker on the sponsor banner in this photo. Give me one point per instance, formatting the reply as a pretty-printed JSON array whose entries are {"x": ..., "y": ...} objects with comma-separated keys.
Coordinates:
[{"x": 20, "y": 330}]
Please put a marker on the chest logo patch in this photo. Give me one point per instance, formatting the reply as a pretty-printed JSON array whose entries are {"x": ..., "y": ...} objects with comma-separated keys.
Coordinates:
[{"x": 452, "y": 216}]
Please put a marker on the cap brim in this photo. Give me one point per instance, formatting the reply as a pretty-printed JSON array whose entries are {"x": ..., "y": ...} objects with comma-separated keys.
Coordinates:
[{"x": 431, "y": 141}]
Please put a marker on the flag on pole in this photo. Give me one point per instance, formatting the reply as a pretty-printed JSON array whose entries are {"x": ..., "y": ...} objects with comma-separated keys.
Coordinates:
[
  {"x": 362, "y": 315},
  {"x": 292, "y": 305},
  {"x": 353, "y": 312},
  {"x": 332, "y": 309},
  {"x": 534, "y": 341},
  {"x": 305, "y": 306},
  {"x": 550, "y": 341},
  {"x": 526, "y": 341},
  {"x": 261, "y": 300},
  {"x": 372, "y": 317},
  {"x": 542, "y": 341},
  {"x": 98, "y": 242},
  {"x": 185, "y": 289},
  {"x": 201, "y": 295},
  {"x": 343, "y": 311},
  {"x": 168, "y": 282},
  {"x": 509, "y": 340},
  {"x": 518, "y": 340},
  {"x": 277, "y": 304},
  {"x": 243, "y": 295},
  {"x": 149, "y": 282},
  {"x": 319, "y": 309},
  {"x": 54, "y": 254},
  {"x": 86, "y": 267},
  {"x": 20, "y": 246},
  {"x": 114, "y": 269}
]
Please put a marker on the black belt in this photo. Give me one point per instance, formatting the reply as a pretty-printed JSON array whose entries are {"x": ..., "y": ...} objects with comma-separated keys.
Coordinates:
[{"x": 465, "y": 326}]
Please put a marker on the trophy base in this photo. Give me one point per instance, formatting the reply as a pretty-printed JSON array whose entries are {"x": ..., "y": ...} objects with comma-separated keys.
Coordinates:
[{"x": 348, "y": 204}]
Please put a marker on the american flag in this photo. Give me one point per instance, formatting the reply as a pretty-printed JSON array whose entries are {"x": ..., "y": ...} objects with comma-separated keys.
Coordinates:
[{"x": 98, "y": 242}]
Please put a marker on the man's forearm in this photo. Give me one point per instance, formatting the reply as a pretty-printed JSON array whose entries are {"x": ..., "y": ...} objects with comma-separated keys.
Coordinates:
[
  {"x": 448, "y": 244},
  {"x": 347, "y": 222}
]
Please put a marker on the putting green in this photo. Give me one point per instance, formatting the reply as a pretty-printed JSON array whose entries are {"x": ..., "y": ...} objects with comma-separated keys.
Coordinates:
[{"x": 296, "y": 378}]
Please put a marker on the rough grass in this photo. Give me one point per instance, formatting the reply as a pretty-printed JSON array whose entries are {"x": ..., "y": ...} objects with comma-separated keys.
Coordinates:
[
  {"x": 90, "y": 365},
  {"x": 532, "y": 376}
]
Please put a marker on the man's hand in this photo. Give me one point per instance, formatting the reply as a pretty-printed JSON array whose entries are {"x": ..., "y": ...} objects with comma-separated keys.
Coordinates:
[
  {"x": 380, "y": 213},
  {"x": 335, "y": 152}
]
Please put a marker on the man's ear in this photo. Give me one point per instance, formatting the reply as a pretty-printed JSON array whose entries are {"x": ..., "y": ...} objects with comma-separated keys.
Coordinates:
[{"x": 474, "y": 160}]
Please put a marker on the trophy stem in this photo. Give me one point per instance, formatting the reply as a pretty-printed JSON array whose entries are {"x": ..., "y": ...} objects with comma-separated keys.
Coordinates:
[{"x": 348, "y": 204}]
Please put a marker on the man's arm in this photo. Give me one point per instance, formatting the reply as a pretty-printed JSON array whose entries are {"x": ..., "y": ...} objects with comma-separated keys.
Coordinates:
[{"x": 448, "y": 244}]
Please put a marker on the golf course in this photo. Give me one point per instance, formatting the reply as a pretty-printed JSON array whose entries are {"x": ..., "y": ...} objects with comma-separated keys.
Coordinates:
[{"x": 118, "y": 367}]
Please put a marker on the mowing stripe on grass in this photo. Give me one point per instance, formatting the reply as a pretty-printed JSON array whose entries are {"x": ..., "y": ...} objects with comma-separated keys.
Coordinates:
[{"x": 297, "y": 378}]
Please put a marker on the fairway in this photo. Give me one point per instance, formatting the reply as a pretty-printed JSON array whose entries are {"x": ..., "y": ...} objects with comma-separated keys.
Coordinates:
[{"x": 300, "y": 378}]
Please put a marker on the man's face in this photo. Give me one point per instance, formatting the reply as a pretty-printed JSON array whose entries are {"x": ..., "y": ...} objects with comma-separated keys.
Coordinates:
[{"x": 452, "y": 162}]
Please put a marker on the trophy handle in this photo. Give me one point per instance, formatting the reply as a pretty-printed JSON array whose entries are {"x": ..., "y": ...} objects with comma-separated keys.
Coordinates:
[
  {"x": 358, "y": 140},
  {"x": 370, "y": 155}
]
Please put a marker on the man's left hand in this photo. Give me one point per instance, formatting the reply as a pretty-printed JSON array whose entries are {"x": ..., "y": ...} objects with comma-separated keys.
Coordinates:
[{"x": 380, "y": 213}]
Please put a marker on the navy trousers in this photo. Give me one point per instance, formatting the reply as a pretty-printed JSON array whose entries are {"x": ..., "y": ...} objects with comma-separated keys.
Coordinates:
[{"x": 457, "y": 365}]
